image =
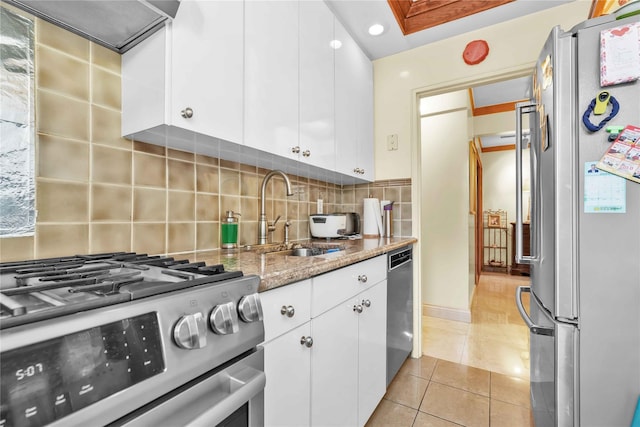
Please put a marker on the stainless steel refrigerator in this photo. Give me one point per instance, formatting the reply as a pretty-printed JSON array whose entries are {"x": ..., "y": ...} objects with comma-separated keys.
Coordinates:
[{"x": 584, "y": 309}]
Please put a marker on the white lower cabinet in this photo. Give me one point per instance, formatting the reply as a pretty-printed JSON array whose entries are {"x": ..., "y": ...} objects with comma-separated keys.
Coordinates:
[
  {"x": 328, "y": 366},
  {"x": 348, "y": 363},
  {"x": 287, "y": 364},
  {"x": 287, "y": 356},
  {"x": 372, "y": 350},
  {"x": 334, "y": 367}
]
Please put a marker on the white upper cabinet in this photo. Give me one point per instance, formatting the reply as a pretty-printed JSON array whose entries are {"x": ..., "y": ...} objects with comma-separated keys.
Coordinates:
[
  {"x": 271, "y": 76},
  {"x": 317, "y": 145},
  {"x": 353, "y": 108},
  {"x": 207, "y": 68},
  {"x": 263, "y": 74},
  {"x": 364, "y": 119},
  {"x": 188, "y": 76}
]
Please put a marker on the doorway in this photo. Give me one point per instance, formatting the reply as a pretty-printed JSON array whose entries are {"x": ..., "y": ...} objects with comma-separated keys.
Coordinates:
[{"x": 445, "y": 294}]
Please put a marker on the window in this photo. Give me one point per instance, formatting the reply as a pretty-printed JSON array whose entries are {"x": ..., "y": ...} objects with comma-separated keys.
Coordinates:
[{"x": 17, "y": 125}]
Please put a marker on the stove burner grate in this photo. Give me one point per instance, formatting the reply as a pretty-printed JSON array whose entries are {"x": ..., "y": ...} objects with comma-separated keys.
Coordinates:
[{"x": 41, "y": 289}]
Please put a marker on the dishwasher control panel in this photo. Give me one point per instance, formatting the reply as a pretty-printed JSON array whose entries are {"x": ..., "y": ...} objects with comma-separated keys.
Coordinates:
[{"x": 396, "y": 259}]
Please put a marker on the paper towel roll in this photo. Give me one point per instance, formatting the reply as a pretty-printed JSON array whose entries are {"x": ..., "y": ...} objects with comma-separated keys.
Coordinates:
[{"x": 372, "y": 221}]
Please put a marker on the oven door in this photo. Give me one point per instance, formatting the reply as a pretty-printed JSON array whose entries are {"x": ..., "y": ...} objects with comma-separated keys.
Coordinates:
[
  {"x": 232, "y": 396},
  {"x": 554, "y": 365}
]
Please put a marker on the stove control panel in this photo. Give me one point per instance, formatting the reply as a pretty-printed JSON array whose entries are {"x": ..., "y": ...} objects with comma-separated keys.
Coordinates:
[{"x": 51, "y": 379}]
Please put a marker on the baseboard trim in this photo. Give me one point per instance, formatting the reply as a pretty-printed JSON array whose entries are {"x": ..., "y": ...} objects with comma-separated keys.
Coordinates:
[{"x": 448, "y": 313}]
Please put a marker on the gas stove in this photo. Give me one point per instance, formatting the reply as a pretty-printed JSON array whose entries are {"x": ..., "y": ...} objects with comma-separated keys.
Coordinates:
[
  {"x": 106, "y": 336},
  {"x": 41, "y": 289}
]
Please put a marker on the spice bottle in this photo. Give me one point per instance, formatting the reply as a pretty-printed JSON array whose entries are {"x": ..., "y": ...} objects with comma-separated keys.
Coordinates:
[{"x": 229, "y": 230}]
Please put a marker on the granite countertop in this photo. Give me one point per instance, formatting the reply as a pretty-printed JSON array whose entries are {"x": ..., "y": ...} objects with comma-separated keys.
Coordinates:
[{"x": 278, "y": 269}]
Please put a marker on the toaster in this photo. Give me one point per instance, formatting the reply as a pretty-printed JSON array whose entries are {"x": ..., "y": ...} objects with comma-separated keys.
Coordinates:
[{"x": 334, "y": 225}]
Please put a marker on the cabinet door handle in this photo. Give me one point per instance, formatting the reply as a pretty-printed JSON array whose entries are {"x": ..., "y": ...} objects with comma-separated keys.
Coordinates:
[
  {"x": 358, "y": 308},
  {"x": 306, "y": 341},
  {"x": 187, "y": 113},
  {"x": 362, "y": 278},
  {"x": 366, "y": 303},
  {"x": 287, "y": 310},
  {"x": 295, "y": 150},
  {"x": 306, "y": 153}
]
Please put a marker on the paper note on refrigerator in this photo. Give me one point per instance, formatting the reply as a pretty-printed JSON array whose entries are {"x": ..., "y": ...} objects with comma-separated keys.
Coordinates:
[
  {"x": 603, "y": 192},
  {"x": 620, "y": 54},
  {"x": 622, "y": 158}
]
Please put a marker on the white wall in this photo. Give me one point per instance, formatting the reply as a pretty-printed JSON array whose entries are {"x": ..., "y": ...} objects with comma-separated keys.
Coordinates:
[
  {"x": 489, "y": 124},
  {"x": 445, "y": 190},
  {"x": 514, "y": 46},
  {"x": 499, "y": 185},
  {"x": 434, "y": 69}
]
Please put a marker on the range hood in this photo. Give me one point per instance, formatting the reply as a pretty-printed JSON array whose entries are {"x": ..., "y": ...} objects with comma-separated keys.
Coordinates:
[{"x": 116, "y": 24}]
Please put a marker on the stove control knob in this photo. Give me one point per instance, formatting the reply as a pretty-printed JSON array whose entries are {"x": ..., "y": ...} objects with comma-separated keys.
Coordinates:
[
  {"x": 224, "y": 319},
  {"x": 190, "y": 332},
  {"x": 250, "y": 308}
]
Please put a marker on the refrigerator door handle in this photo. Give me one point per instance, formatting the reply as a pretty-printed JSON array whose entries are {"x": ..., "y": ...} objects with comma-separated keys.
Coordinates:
[
  {"x": 521, "y": 108},
  {"x": 535, "y": 329}
]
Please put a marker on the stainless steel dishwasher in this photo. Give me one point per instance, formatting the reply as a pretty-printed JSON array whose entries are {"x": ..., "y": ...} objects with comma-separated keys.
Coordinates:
[{"x": 399, "y": 309}]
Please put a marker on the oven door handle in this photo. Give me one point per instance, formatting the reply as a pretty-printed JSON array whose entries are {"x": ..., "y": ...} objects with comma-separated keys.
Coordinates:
[
  {"x": 208, "y": 402},
  {"x": 243, "y": 386}
]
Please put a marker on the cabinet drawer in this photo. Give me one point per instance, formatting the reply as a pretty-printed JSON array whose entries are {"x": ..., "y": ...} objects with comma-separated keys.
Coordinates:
[
  {"x": 296, "y": 301},
  {"x": 337, "y": 286}
]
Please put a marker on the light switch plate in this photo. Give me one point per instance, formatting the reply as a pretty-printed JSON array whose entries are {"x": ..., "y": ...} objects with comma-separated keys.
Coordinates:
[{"x": 392, "y": 142}]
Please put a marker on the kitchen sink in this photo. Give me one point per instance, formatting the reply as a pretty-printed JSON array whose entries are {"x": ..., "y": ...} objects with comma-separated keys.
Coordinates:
[
  {"x": 311, "y": 250},
  {"x": 306, "y": 251}
]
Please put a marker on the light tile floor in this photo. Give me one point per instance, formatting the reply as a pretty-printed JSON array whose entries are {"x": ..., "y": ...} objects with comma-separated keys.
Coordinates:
[{"x": 470, "y": 374}]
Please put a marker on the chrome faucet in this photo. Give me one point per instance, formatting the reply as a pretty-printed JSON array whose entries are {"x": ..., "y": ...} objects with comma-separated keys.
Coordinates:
[{"x": 263, "y": 227}]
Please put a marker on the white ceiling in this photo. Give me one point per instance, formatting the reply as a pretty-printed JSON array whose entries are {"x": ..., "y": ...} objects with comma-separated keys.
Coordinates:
[
  {"x": 499, "y": 93},
  {"x": 358, "y": 15},
  {"x": 502, "y": 92}
]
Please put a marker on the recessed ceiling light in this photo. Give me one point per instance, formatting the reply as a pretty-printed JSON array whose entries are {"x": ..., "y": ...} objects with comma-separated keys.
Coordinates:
[
  {"x": 376, "y": 29},
  {"x": 335, "y": 44}
]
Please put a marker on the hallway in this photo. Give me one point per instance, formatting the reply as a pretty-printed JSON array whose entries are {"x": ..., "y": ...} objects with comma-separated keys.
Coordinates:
[
  {"x": 496, "y": 340},
  {"x": 470, "y": 374}
]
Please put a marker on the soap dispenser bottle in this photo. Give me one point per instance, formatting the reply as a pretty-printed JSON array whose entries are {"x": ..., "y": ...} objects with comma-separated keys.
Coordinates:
[{"x": 229, "y": 230}]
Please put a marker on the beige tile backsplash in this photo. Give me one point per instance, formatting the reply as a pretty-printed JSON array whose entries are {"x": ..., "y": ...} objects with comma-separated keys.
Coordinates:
[
  {"x": 98, "y": 192},
  {"x": 60, "y": 115},
  {"x": 65, "y": 41},
  {"x": 149, "y": 205},
  {"x": 110, "y": 203},
  {"x": 62, "y": 158},
  {"x": 62, "y": 73}
]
